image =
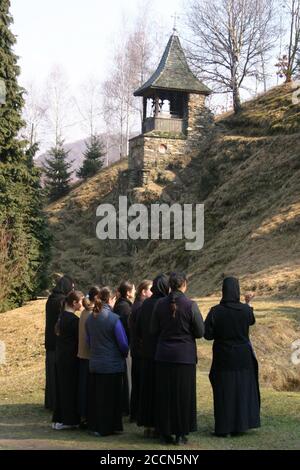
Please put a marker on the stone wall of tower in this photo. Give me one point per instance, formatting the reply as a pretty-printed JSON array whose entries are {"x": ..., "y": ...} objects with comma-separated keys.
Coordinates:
[
  {"x": 200, "y": 122},
  {"x": 150, "y": 155}
]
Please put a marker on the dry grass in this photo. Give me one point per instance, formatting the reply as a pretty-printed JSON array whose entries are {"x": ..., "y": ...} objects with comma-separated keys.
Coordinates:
[
  {"x": 24, "y": 424},
  {"x": 251, "y": 205},
  {"x": 270, "y": 113},
  {"x": 278, "y": 326}
]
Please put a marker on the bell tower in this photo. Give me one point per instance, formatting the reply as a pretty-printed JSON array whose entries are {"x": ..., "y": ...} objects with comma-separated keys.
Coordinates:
[{"x": 174, "y": 116}]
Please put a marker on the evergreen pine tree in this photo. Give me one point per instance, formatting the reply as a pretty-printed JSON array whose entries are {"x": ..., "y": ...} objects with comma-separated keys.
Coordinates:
[
  {"x": 56, "y": 169},
  {"x": 38, "y": 224},
  {"x": 19, "y": 181},
  {"x": 11, "y": 111},
  {"x": 93, "y": 158}
]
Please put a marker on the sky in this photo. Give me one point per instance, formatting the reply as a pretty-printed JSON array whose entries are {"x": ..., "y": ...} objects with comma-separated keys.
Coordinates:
[
  {"x": 75, "y": 33},
  {"x": 79, "y": 36}
]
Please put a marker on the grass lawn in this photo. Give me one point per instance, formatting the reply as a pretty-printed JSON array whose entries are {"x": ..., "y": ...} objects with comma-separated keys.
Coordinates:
[{"x": 24, "y": 424}]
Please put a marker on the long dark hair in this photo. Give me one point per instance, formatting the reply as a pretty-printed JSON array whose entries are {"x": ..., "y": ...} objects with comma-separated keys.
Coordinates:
[
  {"x": 144, "y": 285},
  {"x": 124, "y": 288},
  {"x": 106, "y": 293},
  {"x": 74, "y": 296},
  {"x": 177, "y": 280},
  {"x": 90, "y": 299}
]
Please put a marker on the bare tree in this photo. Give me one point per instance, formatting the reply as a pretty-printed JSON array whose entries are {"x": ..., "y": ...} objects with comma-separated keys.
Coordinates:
[
  {"x": 262, "y": 74},
  {"x": 144, "y": 49},
  {"x": 117, "y": 99},
  {"x": 59, "y": 103},
  {"x": 133, "y": 61},
  {"x": 288, "y": 62},
  {"x": 89, "y": 105},
  {"x": 230, "y": 38},
  {"x": 34, "y": 113}
]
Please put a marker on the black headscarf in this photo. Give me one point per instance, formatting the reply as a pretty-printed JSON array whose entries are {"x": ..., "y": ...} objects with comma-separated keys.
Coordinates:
[
  {"x": 63, "y": 286},
  {"x": 160, "y": 286},
  {"x": 231, "y": 293}
]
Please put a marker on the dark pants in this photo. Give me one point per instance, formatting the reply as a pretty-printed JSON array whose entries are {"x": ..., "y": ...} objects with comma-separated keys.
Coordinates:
[{"x": 50, "y": 390}]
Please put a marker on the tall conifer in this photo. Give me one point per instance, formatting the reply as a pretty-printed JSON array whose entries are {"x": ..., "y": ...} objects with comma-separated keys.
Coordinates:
[
  {"x": 93, "y": 158},
  {"x": 57, "y": 172},
  {"x": 19, "y": 180}
]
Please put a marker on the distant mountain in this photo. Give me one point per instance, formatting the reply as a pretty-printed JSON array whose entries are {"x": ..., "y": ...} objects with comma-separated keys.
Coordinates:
[
  {"x": 249, "y": 180},
  {"x": 76, "y": 151}
]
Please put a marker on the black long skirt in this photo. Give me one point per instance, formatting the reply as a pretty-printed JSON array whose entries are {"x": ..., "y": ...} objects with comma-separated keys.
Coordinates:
[
  {"x": 105, "y": 403},
  {"x": 66, "y": 405},
  {"x": 83, "y": 387},
  {"x": 50, "y": 390},
  {"x": 136, "y": 385},
  {"x": 146, "y": 409},
  {"x": 125, "y": 393},
  {"x": 236, "y": 400},
  {"x": 175, "y": 398}
]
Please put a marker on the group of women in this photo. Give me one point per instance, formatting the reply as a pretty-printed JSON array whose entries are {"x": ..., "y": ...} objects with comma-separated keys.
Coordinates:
[{"x": 134, "y": 352}]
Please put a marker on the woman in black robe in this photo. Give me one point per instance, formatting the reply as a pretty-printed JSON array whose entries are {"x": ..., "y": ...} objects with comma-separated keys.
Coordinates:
[
  {"x": 178, "y": 322},
  {"x": 66, "y": 413},
  {"x": 147, "y": 341},
  {"x": 54, "y": 307},
  {"x": 143, "y": 292},
  {"x": 234, "y": 370},
  {"x": 123, "y": 308}
]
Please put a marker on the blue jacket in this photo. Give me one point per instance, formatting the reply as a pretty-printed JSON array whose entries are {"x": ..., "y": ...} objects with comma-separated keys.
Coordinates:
[{"x": 107, "y": 341}]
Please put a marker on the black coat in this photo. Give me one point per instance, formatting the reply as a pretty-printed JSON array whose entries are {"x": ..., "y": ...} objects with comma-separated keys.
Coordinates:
[
  {"x": 67, "y": 368},
  {"x": 54, "y": 307},
  {"x": 135, "y": 346},
  {"x": 228, "y": 325},
  {"x": 123, "y": 308},
  {"x": 234, "y": 370},
  {"x": 67, "y": 341},
  {"x": 147, "y": 340},
  {"x": 177, "y": 334}
]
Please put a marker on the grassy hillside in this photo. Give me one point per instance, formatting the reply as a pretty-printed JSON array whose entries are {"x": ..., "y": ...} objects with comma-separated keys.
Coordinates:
[
  {"x": 24, "y": 424},
  {"x": 76, "y": 249},
  {"x": 248, "y": 176}
]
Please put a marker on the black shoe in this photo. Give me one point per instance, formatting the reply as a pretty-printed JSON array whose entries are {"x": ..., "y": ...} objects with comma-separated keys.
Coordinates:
[
  {"x": 237, "y": 434},
  {"x": 181, "y": 440},
  {"x": 167, "y": 440}
]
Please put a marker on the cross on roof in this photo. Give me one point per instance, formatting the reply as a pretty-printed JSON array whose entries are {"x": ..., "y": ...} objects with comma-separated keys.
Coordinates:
[{"x": 176, "y": 17}]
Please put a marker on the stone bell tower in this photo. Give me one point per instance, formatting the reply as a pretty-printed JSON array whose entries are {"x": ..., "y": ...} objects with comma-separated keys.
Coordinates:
[{"x": 175, "y": 118}]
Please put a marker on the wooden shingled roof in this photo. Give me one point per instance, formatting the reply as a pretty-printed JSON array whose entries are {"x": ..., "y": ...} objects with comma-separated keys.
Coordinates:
[{"x": 173, "y": 73}]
